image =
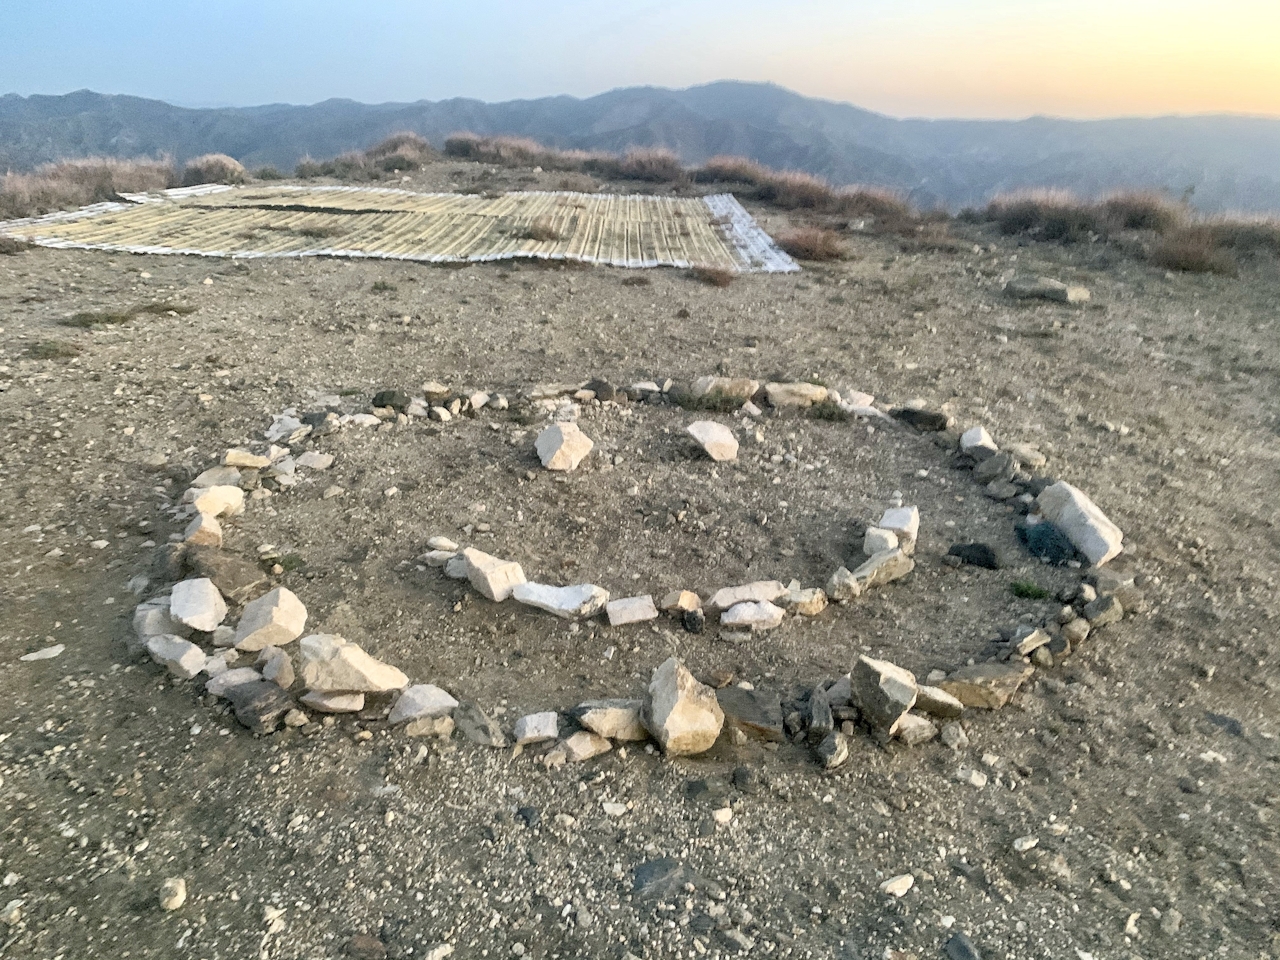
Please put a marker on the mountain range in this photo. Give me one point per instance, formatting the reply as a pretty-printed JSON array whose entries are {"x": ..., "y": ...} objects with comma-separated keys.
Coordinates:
[{"x": 1221, "y": 162}]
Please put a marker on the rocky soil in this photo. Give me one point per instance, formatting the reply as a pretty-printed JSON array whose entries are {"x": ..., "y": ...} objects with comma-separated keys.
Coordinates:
[{"x": 1131, "y": 794}]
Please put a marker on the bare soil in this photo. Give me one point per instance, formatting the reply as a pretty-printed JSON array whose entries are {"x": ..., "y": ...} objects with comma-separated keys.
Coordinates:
[{"x": 1154, "y": 745}]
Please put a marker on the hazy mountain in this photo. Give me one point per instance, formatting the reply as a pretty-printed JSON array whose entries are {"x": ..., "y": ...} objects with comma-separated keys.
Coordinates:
[{"x": 1230, "y": 161}]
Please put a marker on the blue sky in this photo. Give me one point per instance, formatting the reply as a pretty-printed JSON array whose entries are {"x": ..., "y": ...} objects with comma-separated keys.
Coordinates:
[{"x": 990, "y": 58}]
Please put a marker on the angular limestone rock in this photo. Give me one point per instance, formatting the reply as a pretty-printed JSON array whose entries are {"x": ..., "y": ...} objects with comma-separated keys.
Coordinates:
[
  {"x": 631, "y": 610},
  {"x": 422, "y": 700},
  {"x": 220, "y": 501},
  {"x": 219, "y": 685},
  {"x": 204, "y": 530},
  {"x": 274, "y": 619},
  {"x": 807, "y": 603},
  {"x": 243, "y": 458},
  {"x": 276, "y": 667},
  {"x": 905, "y": 523},
  {"x": 584, "y": 745},
  {"x": 724, "y": 387},
  {"x": 562, "y": 446},
  {"x": 757, "y": 713},
  {"x": 682, "y": 714},
  {"x": 181, "y": 657},
  {"x": 878, "y": 540},
  {"x": 914, "y": 730},
  {"x": 217, "y": 477},
  {"x": 198, "y": 604},
  {"x": 537, "y": 727},
  {"x": 331, "y": 664},
  {"x": 885, "y": 567},
  {"x": 938, "y": 703},
  {"x": 681, "y": 601},
  {"x": 259, "y": 705},
  {"x": 455, "y": 568},
  {"x": 614, "y": 719},
  {"x": 752, "y": 615},
  {"x": 760, "y": 591},
  {"x": 494, "y": 578},
  {"x": 571, "y": 603},
  {"x": 152, "y": 619},
  {"x": 1087, "y": 527},
  {"x": 715, "y": 438},
  {"x": 1045, "y": 288},
  {"x": 439, "y": 558},
  {"x": 795, "y": 394},
  {"x": 477, "y": 726},
  {"x": 312, "y": 460},
  {"x": 843, "y": 586},
  {"x": 882, "y": 692},
  {"x": 333, "y": 702},
  {"x": 987, "y": 686},
  {"x": 977, "y": 443}
]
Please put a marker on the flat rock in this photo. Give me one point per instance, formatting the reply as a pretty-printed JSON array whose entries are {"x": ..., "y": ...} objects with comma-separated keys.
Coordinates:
[
  {"x": 1086, "y": 526},
  {"x": 441, "y": 558},
  {"x": 219, "y": 685},
  {"x": 1045, "y": 288},
  {"x": 181, "y": 657},
  {"x": 313, "y": 460},
  {"x": 493, "y": 578},
  {"x": 735, "y": 388},
  {"x": 333, "y": 702},
  {"x": 882, "y": 692},
  {"x": 204, "y": 530},
  {"x": 977, "y": 443},
  {"x": 198, "y": 604},
  {"x": 477, "y": 726},
  {"x": 681, "y": 601},
  {"x": 987, "y": 686},
  {"x": 614, "y": 719},
  {"x": 331, "y": 664},
  {"x": 878, "y": 540},
  {"x": 571, "y": 603},
  {"x": 682, "y": 714},
  {"x": 259, "y": 705},
  {"x": 422, "y": 700},
  {"x": 754, "y": 616},
  {"x": 1029, "y": 640},
  {"x": 631, "y": 610},
  {"x": 715, "y": 438},
  {"x": 237, "y": 457},
  {"x": 913, "y": 730},
  {"x": 274, "y": 619},
  {"x": 537, "y": 727},
  {"x": 885, "y": 567},
  {"x": 761, "y": 591},
  {"x": 442, "y": 543},
  {"x": 937, "y": 702},
  {"x": 795, "y": 394},
  {"x": 977, "y": 555},
  {"x": 584, "y": 745},
  {"x": 757, "y": 713},
  {"x": 562, "y": 446}
]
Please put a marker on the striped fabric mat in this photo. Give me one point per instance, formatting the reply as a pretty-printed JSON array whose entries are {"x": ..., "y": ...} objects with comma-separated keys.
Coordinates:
[{"x": 302, "y": 221}]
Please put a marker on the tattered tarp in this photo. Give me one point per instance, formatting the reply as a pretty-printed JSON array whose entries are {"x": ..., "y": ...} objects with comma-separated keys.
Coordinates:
[{"x": 306, "y": 221}]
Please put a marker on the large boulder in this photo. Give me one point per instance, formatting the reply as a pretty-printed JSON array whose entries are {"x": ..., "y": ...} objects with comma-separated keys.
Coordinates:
[{"x": 682, "y": 714}]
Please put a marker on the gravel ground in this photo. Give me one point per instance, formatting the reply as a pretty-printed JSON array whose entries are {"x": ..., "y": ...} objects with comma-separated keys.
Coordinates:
[{"x": 1146, "y": 765}]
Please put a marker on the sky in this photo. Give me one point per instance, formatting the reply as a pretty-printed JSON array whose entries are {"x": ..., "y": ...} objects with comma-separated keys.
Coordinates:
[{"x": 928, "y": 58}]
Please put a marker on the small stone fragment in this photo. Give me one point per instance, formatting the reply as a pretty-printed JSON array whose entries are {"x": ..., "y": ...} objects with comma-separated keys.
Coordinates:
[
  {"x": 198, "y": 604},
  {"x": 259, "y": 705},
  {"x": 312, "y": 460},
  {"x": 45, "y": 653},
  {"x": 152, "y": 619},
  {"x": 1077, "y": 631},
  {"x": 883, "y": 568},
  {"x": 455, "y": 568},
  {"x": 977, "y": 443},
  {"x": 960, "y": 947},
  {"x": 833, "y": 751},
  {"x": 974, "y": 778},
  {"x": 537, "y": 727},
  {"x": 843, "y": 586},
  {"x": 584, "y": 745},
  {"x": 1103, "y": 611},
  {"x": 243, "y": 458},
  {"x": 615, "y": 719},
  {"x": 493, "y": 578},
  {"x": 682, "y": 714},
  {"x": 1029, "y": 641},
  {"x": 439, "y": 727},
  {"x": 419, "y": 701},
  {"x": 928, "y": 421},
  {"x": 276, "y": 667},
  {"x": 988, "y": 686},
  {"x": 694, "y": 620},
  {"x": 631, "y": 610},
  {"x": 1023, "y": 844},
  {"x": 953, "y": 736},
  {"x": 173, "y": 893},
  {"x": 716, "y": 439},
  {"x": 562, "y": 446},
  {"x": 914, "y": 730},
  {"x": 898, "y": 886},
  {"x": 807, "y": 603},
  {"x": 274, "y": 619},
  {"x": 680, "y": 601},
  {"x": 905, "y": 522},
  {"x": 570, "y": 603}
]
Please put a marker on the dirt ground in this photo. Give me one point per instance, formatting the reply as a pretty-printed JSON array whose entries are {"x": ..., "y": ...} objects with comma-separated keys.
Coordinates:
[{"x": 1147, "y": 764}]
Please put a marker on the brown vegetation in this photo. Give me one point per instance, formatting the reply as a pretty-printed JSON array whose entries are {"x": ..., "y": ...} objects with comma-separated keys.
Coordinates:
[
  {"x": 1194, "y": 250},
  {"x": 401, "y": 151},
  {"x": 812, "y": 243},
  {"x": 76, "y": 183},
  {"x": 542, "y": 231},
  {"x": 653, "y": 164},
  {"x": 713, "y": 276},
  {"x": 9, "y": 246},
  {"x": 212, "y": 168}
]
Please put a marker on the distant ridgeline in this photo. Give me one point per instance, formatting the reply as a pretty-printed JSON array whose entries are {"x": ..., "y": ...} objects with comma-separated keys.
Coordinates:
[{"x": 1219, "y": 163}]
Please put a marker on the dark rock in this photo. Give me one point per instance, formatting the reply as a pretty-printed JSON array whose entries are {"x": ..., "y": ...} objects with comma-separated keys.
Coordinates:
[
  {"x": 1103, "y": 611},
  {"x": 745, "y": 780},
  {"x": 930, "y": 421},
  {"x": 998, "y": 467},
  {"x": 1059, "y": 645},
  {"x": 604, "y": 390},
  {"x": 756, "y": 712},
  {"x": 474, "y": 724},
  {"x": 960, "y": 947},
  {"x": 708, "y": 790},
  {"x": 821, "y": 720},
  {"x": 1001, "y": 490},
  {"x": 976, "y": 555},
  {"x": 530, "y": 816},
  {"x": 1187, "y": 785},
  {"x": 663, "y": 879},
  {"x": 235, "y": 577},
  {"x": 694, "y": 620},
  {"x": 365, "y": 947},
  {"x": 1046, "y": 542},
  {"x": 1038, "y": 485},
  {"x": 397, "y": 400},
  {"x": 833, "y": 750},
  {"x": 794, "y": 724},
  {"x": 168, "y": 563},
  {"x": 1229, "y": 724},
  {"x": 259, "y": 704}
]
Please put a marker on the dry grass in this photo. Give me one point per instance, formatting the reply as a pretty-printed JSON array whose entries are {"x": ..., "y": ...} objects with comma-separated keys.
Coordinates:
[
  {"x": 92, "y": 319},
  {"x": 212, "y": 168},
  {"x": 713, "y": 276},
  {"x": 401, "y": 151},
  {"x": 542, "y": 231},
  {"x": 1195, "y": 250},
  {"x": 812, "y": 243},
  {"x": 1142, "y": 210},
  {"x": 76, "y": 183},
  {"x": 521, "y": 152},
  {"x": 653, "y": 164},
  {"x": 732, "y": 170},
  {"x": 52, "y": 350},
  {"x": 1046, "y": 214},
  {"x": 10, "y": 247}
]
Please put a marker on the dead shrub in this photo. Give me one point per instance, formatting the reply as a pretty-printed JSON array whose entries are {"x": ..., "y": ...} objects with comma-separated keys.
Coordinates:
[
  {"x": 1047, "y": 214},
  {"x": 518, "y": 152},
  {"x": 52, "y": 350},
  {"x": 794, "y": 190},
  {"x": 541, "y": 231},
  {"x": 713, "y": 276},
  {"x": 347, "y": 166},
  {"x": 654, "y": 164},
  {"x": 10, "y": 247},
  {"x": 268, "y": 173},
  {"x": 886, "y": 208},
  {"x": 1195, "y": 250},
  {"x": 1142, "y": 210},
  {"x": 69, "y": 184},
  {"x": 212, "y": 168},
  {"x": 812, "y": 243},
  {"x": 1244, "y": 234},
  {"x": 401, "y": 151},
  {"x": 732, "y": 170}
]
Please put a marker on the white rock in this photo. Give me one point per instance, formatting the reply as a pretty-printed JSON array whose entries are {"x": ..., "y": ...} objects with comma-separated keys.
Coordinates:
[
  {"x": 877, "y": 540},
  {"x": 478, "y": 400},
  {"x": 572, "y": 603},
  {"x": 315, "y": 461},
  {"x": 978, "y": 443},
  {"x": 198, "y": 604},
  {"x": 331, "y": 664},
  {"x": 680, "y": 601},
  {"x": 173, "y": 893},
  {"x": 217, "y": 477},
  {"x": 182, "y": 657},
  {"x": 631, "y": 610},
  {"x": 47, "y": 653},
  {"x": 440, "y": 558},
  {"x": 276, "y": 667},
  {"x": 221, "y": 501},
  {"x": 204, "y": 530},
  {"x": 913, "y": 730},
  {"x": 369, "y": 420},
  {"x": 493, "y": 578},
  {"x": 1087, "y": 527},
  {"x": 419, "y": 701},
  {"x": 843, "y": 586},
  {"x": 795, "y": 394},
  {"x": 274, "y": 619},
  {"x": 614, "y": 719},
  {"x": 333, "y": 702},
  {"x": 237, "y": 457},
  {"x": 716, "y": 439},
  {"x": 439, "y": 414},
  {"x": 682, "y": 714},
  {"x": 1023, "y": 844},
  {"x": 884, "y": 567},
  {"x": 757, "y": 615},
  {"x": 905, "y": 522},
  {"x": 584, "y": 745},
  {"x": 218, "y": 686},
  {"x": 441, "y": 543},
  {"x": 762, "y": 591},
  {"x": 562, "y": 446},
  {"x": 898, "y": 886},
  {"x": 152, "y": 619},
  {"x": 286, "y": 427},
  {"x": 537, "y": 727},
  {"x": 735, "y": 387}
]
